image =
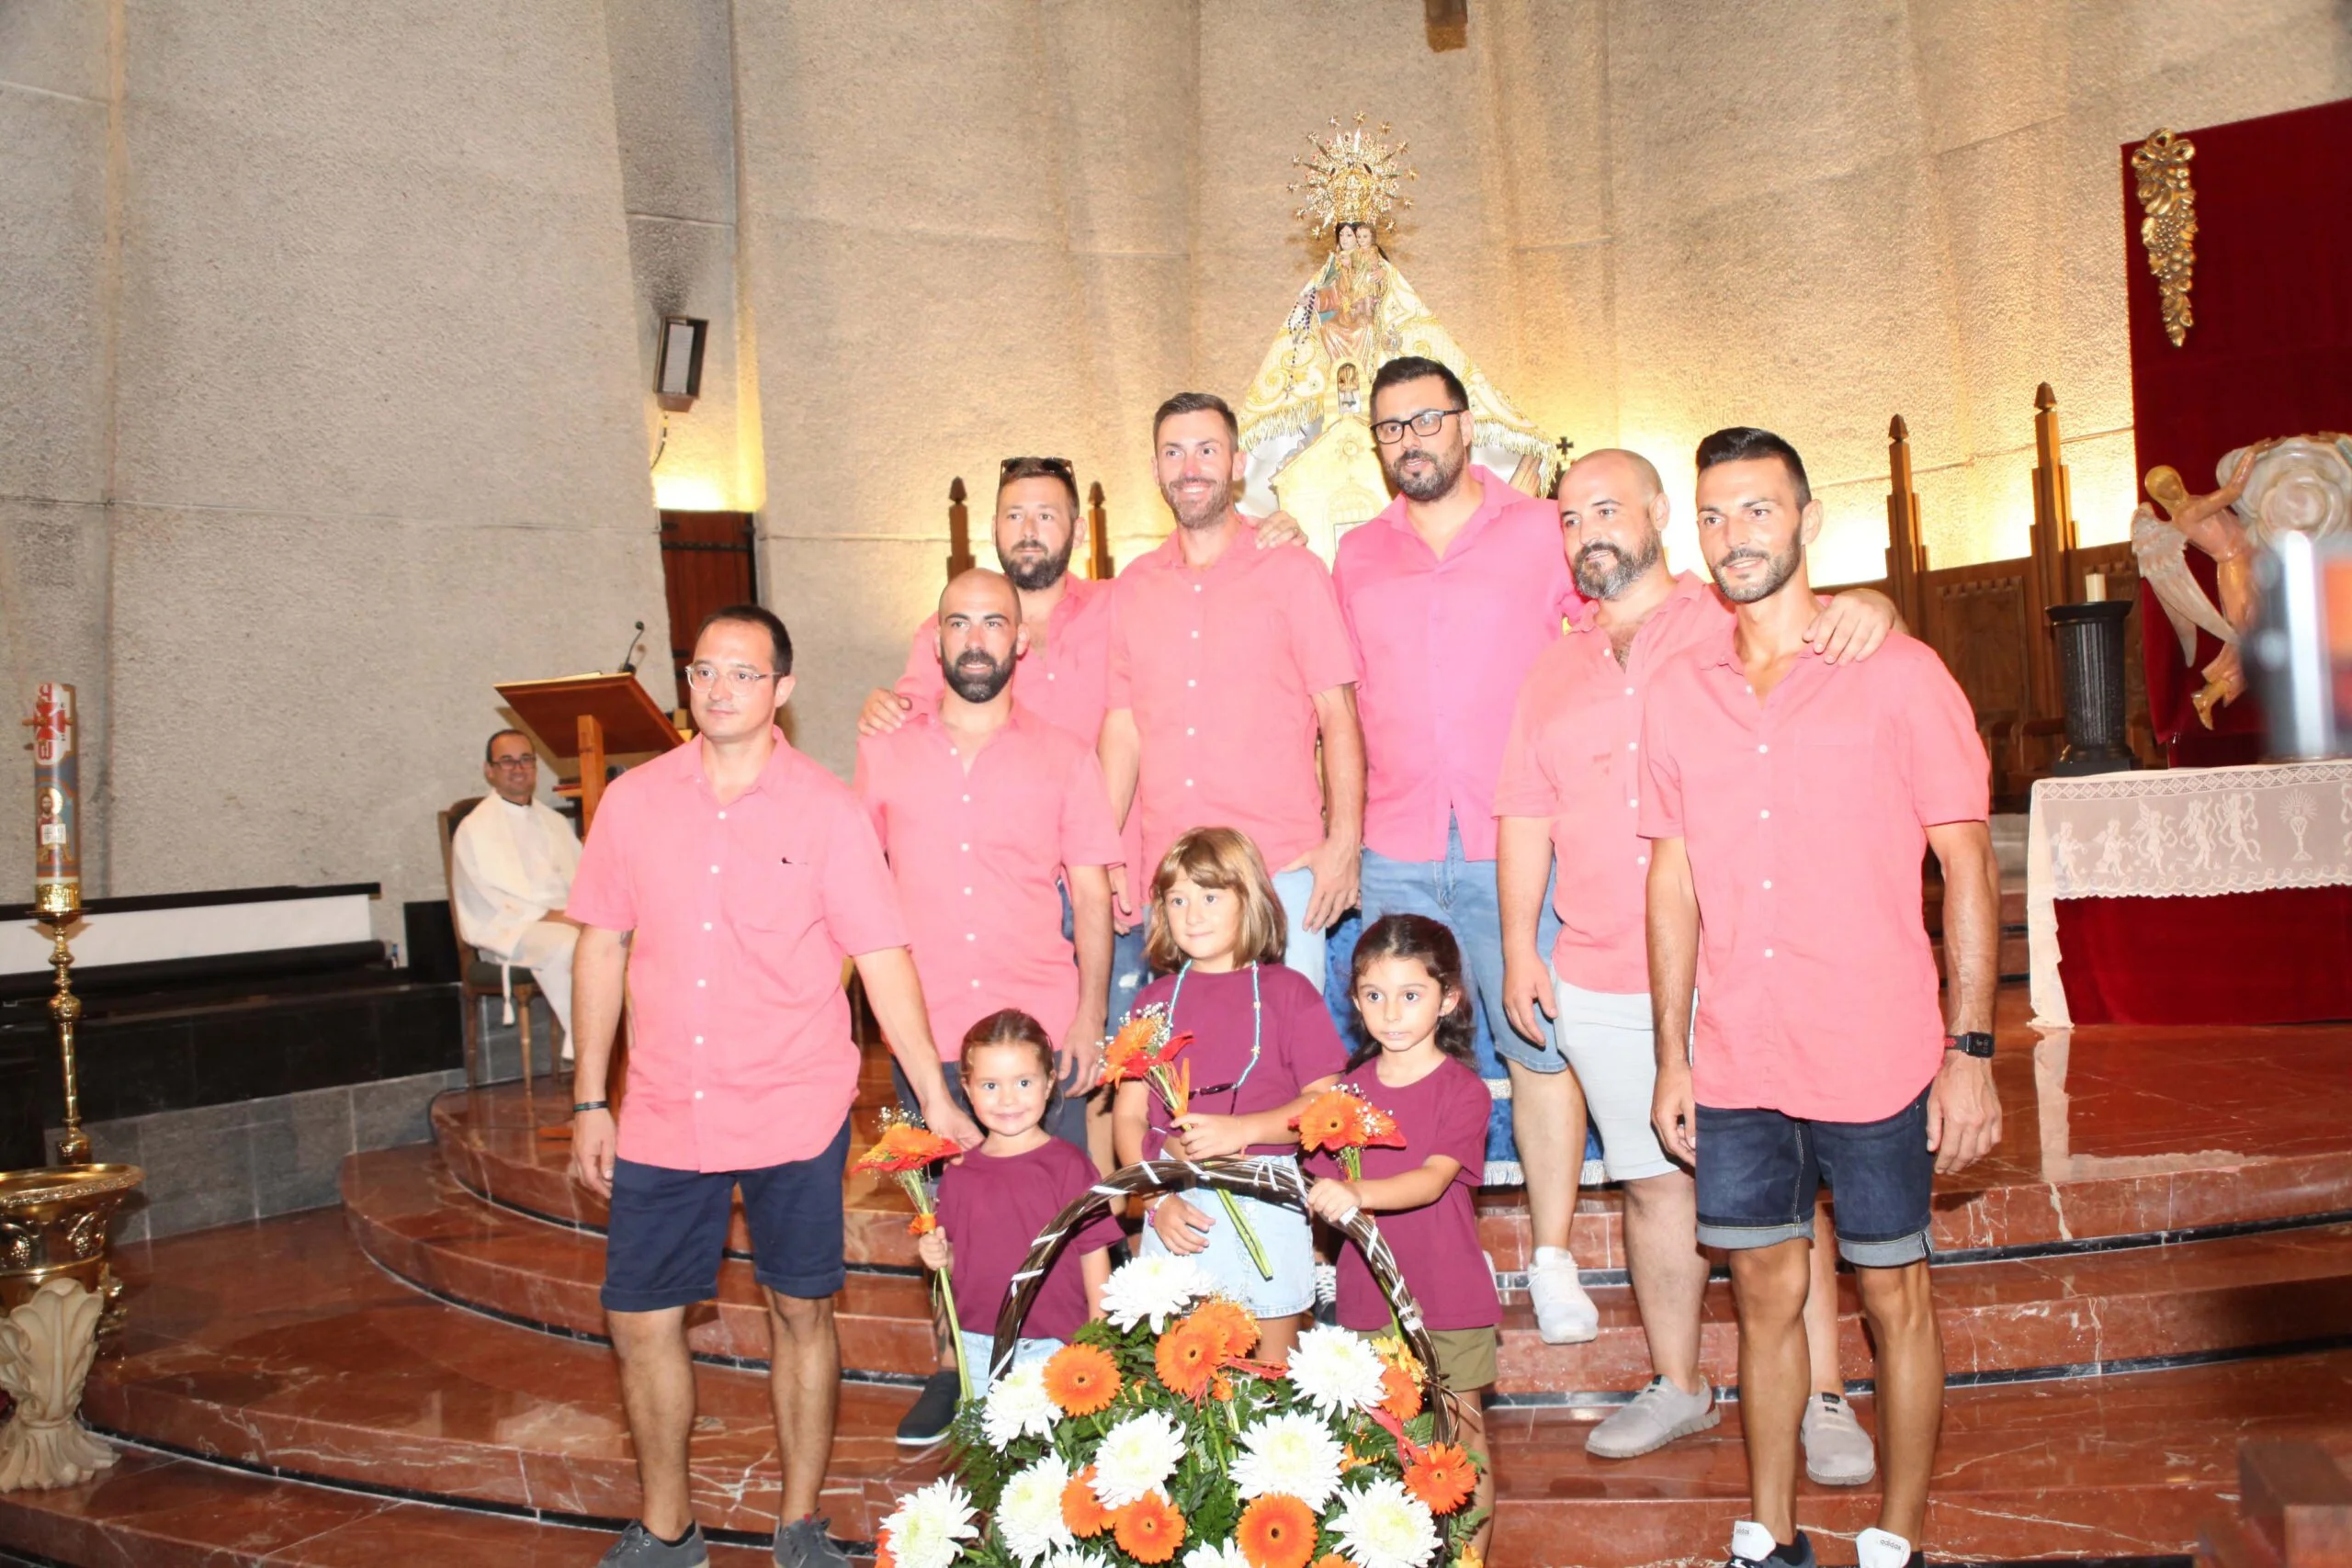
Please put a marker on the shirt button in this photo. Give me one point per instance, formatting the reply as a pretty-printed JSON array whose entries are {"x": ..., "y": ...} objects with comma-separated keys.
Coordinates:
[
  {"x": 1763, "y": 748},
  {"x": 722, "y": 817},
  {"x": 1768, "y": 885},
  {"x": 1192, "y": 682},
  {"x": 972, "y": 936},
  {"x": 697, "y": 1094},
  {"x": 1641, "y": 860},
  {"x": 1633, "y": 803},
  {"x": 967, "y": 893},
  {"x": 705, "y": 925},
  {"x": 1196, "y": 636},
  {"x": 1764, "y": 813},
  {"x": 965, "y": 848},
  {"x": 1049, "y": 674},
  {"x": 1632, "y": 745},
  {"x": 967, "y": 800},
  {"x": 714, "y": 871},
  {"x": 976, "y": 985},
  {"x": 700, "y": 983},
  {"x": 1767, "y": 952},
  {"x": 697, "y": 1039},
  {"x": 1188, "y": 783},
  {"x": 1190, "y": 731},
  {"x": 1629, "y": 690}
]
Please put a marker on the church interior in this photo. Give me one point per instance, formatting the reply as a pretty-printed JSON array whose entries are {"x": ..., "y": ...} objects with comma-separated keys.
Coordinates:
[{"x": 381, "y": 378}]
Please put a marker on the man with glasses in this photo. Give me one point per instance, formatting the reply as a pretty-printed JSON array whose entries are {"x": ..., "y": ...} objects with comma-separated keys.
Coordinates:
[
  {"x": 1449, "y": 595},
  {"x": 984, "y": 809},
  {"x": 511, "y": 866},
  {"x": 729, "y": 879}
]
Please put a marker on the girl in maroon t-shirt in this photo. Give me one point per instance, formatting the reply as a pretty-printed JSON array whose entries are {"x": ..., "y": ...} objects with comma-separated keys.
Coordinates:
[
  {"x": 992, "y": 1206},
  {"x": 1262, "y": 1044},
  {"x": 1418, "y": 1066}
]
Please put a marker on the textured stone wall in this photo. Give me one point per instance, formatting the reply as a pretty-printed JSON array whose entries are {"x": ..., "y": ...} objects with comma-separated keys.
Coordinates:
[{"x": 337, "y": 424}]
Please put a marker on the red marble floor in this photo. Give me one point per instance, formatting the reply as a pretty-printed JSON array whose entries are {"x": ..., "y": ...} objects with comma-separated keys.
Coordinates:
[{"x": 309, "y": 1346}]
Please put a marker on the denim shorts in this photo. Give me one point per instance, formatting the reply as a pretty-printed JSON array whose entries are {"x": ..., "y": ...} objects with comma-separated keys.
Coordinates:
[
  {"x": 1760, "y": 1172},
  {"x": 1283, "y": 1236},
  {"x": 668, "y": 1229},
  {"x": 976, "y": 1347}
]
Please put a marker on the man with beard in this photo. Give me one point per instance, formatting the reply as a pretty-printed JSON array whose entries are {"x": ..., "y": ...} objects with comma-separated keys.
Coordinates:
[
  {"x": 1570, "y": 780},
  {"x": 1449, "y": 595},
  {"x": 1226, "y": 662},
  {"x": 983, "y": 808},
  {"x": 1789, "y": 804}
]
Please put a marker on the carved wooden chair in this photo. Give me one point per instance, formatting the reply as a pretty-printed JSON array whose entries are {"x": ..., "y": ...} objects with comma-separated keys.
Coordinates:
[{"x": 479, "y": 977}]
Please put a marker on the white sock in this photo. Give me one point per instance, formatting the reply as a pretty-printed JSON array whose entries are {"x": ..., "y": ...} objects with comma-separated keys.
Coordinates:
[{"x": 1555, "y": 1257}]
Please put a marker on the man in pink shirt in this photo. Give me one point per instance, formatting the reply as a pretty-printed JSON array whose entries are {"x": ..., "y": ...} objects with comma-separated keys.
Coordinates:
[
  {"x": 730, "y": 878},
  {"x": 1227, "y": 664},
  {"x": 1567, "y": 799},
  {"x": 1449, "y": 595},
  {"x": 1793, "y": 802}
]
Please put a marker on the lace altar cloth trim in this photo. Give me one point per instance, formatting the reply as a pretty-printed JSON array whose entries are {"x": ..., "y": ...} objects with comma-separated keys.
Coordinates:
[{"x": 2178, "y": 833}]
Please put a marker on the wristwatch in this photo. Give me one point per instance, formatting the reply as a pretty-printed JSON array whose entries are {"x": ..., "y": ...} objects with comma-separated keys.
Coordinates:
[{"x": 1976, "y": 1043}]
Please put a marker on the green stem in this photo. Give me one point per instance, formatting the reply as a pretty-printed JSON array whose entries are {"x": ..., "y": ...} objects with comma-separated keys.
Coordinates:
[
  {"x": 963, "y": 1369},
  {"x": 1248, "y": 1236}
]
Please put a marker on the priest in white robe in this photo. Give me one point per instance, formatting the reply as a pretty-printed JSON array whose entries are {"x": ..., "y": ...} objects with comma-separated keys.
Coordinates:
[{"x": 512, "y": 866}]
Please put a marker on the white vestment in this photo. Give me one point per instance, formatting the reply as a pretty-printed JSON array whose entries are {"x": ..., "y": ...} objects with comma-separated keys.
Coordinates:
[{"x": 511, "y": 867}]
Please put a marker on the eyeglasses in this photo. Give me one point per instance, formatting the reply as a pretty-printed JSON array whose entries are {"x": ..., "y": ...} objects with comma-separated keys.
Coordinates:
[
  {"x": 1428, "y": 422},
  {"x": 528, "y": 760},
  {"x": 701, "y": 676},
  {"x": 1052, "y": 465}
]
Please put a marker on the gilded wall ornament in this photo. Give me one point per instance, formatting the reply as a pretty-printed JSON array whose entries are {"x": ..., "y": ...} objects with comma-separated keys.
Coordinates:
[{"x": 2169, "y": 230}]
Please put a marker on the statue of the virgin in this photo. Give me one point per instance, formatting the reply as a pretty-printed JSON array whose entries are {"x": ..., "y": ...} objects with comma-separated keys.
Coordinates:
[{"x": 1306, "y": 420}]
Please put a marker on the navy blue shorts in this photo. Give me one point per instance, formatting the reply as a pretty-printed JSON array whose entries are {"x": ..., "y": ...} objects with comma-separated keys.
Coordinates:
[
  {"x": 668, "y": 1229},
  {"x": 1760, "y": 1172}
]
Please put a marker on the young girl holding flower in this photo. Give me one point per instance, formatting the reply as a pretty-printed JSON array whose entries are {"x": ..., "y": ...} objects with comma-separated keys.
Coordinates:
[
  {"x": 1417, "y": 1066},
  {"x": 1262, "y": 1044},
  {"x": 992, "y": 1206}
]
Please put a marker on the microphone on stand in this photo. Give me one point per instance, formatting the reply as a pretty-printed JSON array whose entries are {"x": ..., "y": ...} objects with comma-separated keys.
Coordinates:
[{"x": 629, "y": 662}]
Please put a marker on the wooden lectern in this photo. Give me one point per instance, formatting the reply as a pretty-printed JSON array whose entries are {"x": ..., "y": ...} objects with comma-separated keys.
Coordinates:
[{"x": 587, "y": 717}]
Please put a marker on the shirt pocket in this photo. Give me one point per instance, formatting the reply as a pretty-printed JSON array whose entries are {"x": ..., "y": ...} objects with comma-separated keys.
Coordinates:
[
  {"x": 775, "y": 896},
  {"x": 1834, "y": 764}
]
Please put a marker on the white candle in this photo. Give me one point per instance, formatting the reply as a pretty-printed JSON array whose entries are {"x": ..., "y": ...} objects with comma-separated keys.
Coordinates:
[{"x": 2094, "y": 586}]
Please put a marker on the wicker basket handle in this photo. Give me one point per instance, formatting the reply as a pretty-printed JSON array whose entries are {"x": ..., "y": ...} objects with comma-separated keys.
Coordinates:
[{"x": 1270, "y": 1181}]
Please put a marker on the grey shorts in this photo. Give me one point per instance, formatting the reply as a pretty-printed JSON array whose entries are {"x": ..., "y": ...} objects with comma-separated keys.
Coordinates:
[{"x": 1609, "y": 1040}]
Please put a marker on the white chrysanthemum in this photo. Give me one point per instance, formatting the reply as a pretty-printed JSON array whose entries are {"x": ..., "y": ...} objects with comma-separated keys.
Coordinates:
[
  {"x": 1223, "y": 1554},
  {"x": 929, "y": 1524},
  {"x": 1029, "y": 1515},
  {"x": 1293, "y": 1453},
  {"x": 1074, "y": 1557},
  {"x": 1155, "y": 1287},
  {"x": 1136, "y": 1457},
  {"x": 1381, "y": 1524},
  {"x": 1019, "y": 1406},
  {"x": 1336, "y": 1370}
]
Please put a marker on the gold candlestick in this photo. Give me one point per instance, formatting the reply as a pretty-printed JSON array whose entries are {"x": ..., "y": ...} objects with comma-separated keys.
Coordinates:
[{"x": 60, "y": 907}]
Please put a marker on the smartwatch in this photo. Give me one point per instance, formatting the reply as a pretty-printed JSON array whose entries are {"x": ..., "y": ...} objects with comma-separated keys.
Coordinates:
[{"x": 1976, "y": 1043}]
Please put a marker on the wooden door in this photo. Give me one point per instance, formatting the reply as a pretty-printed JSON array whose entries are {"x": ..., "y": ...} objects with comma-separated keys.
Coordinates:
[{"x": 709, "y": 560}]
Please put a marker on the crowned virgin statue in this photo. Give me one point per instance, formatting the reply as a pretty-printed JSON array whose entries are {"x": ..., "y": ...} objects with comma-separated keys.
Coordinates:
[{"x": 1306, "y": 420}]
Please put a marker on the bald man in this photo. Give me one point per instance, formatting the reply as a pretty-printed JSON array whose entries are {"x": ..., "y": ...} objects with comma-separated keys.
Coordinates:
[{"x": 1567, "y": 793}]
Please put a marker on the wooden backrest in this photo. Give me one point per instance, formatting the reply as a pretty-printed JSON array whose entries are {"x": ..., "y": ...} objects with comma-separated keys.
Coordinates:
[{"x": 449, "y": 819}]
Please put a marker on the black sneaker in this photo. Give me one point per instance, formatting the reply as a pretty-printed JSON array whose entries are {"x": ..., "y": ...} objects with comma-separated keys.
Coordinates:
[
  {"x": 640, "y": 1548},
  {"x": 804, "y": 1543},
  {"x": 1752, "y": 1546},
  {"x": 934, "y": 1412}
]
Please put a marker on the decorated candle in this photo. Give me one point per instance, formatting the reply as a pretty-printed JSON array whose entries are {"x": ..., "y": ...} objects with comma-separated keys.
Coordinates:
[{"x": 57, "y": 792}]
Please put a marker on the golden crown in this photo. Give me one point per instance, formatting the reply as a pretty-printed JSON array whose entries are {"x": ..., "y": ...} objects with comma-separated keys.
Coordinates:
[{"x": 1354, "y": 177}]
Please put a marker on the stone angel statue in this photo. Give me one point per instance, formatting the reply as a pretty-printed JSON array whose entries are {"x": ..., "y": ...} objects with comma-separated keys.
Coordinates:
[
  {"x": 1305, "y": 419},
  {"x": 2292, "y": 484}
]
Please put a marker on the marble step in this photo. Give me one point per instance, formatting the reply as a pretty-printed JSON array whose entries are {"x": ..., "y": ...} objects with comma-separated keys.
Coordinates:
[
  {"x": 155, "y": 1510},
  {"x": 280, "y": 1346},
  {"x": 2006, "y": 1316},
  {"x": 410, "y": 1216},
  {"x": 277, "y": 1346}
]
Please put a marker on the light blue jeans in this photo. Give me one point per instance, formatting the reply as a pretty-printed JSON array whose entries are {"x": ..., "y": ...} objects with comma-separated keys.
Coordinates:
[{"x": 976, "y": 1348}]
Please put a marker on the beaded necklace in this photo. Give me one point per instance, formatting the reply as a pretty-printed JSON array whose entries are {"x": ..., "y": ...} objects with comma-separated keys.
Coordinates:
[{"x": 1257, "y": 1022}]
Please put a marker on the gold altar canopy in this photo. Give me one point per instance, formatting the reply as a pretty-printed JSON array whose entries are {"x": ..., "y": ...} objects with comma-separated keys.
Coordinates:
[{"x": 1306, "y": 420}]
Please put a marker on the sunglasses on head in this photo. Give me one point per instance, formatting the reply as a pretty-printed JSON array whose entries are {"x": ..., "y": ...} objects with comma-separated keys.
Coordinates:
[{"x": 1054, "y": 465}]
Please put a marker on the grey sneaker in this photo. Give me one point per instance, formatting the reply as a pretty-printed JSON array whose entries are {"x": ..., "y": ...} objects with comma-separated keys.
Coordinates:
[
  {"x": 640, "y": 1548},
  {"x": 803, "y": 1543},
  {"x": 933, "y": 1411},
  {"x": 1657, "y": 1415},
  {"x": 1838, "y": 1452}
]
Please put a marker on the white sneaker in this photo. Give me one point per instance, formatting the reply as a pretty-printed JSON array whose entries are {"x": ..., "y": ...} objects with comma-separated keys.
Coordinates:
[
  {"x": 1876, "y": 1548},
  {"x": 1657, "y": 1415},
  {"x": 1837, "y": 1451},
  {"x": 1752, "y": 1546},
  {"x": 1564, "y": 1314}
]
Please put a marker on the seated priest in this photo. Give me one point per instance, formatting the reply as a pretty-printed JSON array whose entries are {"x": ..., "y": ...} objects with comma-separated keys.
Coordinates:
[{"x": 511, "y": 869}]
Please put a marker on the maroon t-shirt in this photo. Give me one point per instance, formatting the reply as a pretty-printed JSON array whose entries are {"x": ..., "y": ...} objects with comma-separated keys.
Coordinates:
[
  {"x": 1297, "y": 1044},
  {"x": 1436, "y": 1245},
  {"x": 993, "y": 1208}
]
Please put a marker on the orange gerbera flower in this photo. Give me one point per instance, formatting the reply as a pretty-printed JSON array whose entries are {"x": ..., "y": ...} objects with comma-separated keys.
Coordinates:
[
  {"x": 1276, "y": 1531},
  {"x": 1083, "y": 1511},
  {"x": 882, "y": 1558},
  {"x": 1328, "y": 1121},
  {"x": 1149, "y": 1530},
  {"x": 1081, "y": 1379},
  {"x": 904, "y": 1147},
  {"x": 1441, "y": 1477},
  {"x": 1401, "y": 1396},
  {"x": 1235, "y": 1330},
  {"x": 1187, "y": 1358},
  {"x": 922, "y": 1225}
]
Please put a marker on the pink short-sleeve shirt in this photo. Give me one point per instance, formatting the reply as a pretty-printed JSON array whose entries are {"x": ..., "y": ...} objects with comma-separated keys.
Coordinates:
[
  {"x": 740, "y": 1053},
  {"x": 1444, "y": 645},
  {"x": 1062, "y": 682},
  {"x": 977, "y": 855},
  {"x": 1805, "y": 820},
  {"x": 1221, "y": 667},
  {"x": 1573, "y": 758}
]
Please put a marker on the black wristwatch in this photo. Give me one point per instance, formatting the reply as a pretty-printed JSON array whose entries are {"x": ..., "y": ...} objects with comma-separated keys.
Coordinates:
[
  {"x": 602, "y": 1105},
  {"x": 1976, "y": 1043}
]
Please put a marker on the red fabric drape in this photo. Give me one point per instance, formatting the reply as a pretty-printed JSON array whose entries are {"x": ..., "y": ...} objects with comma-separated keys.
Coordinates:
[
  {"x": 2279, "y": 957},
  {"x": 2270, "y": 352}
]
